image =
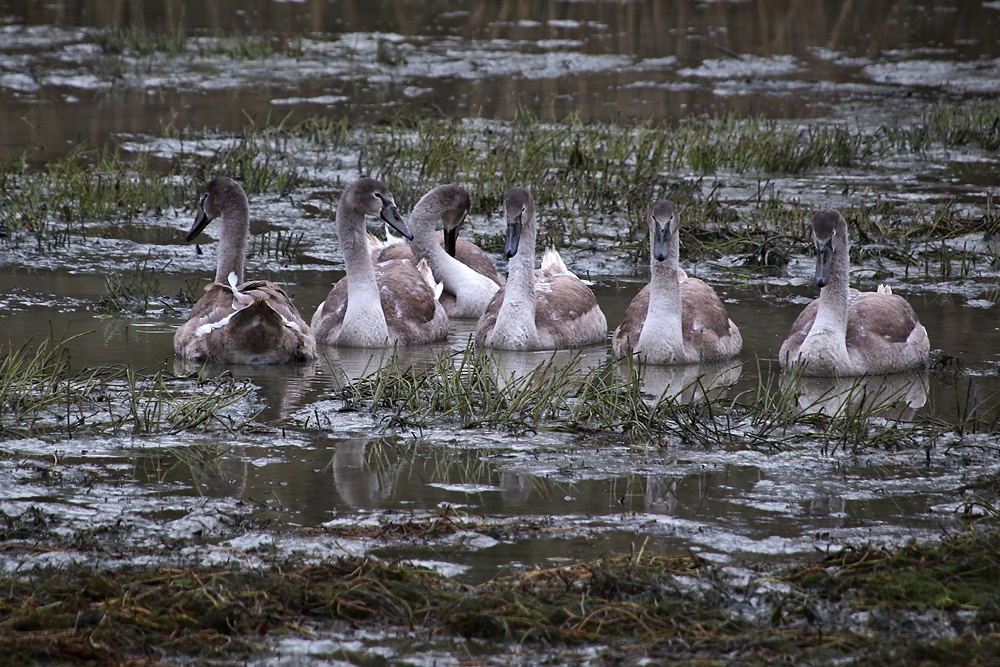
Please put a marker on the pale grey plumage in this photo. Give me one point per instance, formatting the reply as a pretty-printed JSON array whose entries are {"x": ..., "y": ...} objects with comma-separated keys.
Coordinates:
[
  {"x": 846, "y": 332},
  {"x": 537, "y": 310},
  {"x": 376, "y": 305},
  {"x": 674, "y": 319}
]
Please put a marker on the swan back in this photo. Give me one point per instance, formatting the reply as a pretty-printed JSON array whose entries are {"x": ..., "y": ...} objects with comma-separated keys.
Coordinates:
[
  {"x": 250, "y": 323},
  {"x": 541, "y": 310},
  {"x": 846, "y": 332},
  {"x": 674, "y": 319},
  {"x": 376, "y": 305}
]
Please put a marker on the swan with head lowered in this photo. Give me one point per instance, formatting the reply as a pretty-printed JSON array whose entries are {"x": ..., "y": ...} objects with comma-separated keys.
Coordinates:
[
  {"x": 239, "y": 322},
  {"x": 391, "y": 303},
  {"x": 674, "y": 319},
  {"x": 548, "y": 309},
  {"x": 468, "y": 276},
  {"x": 846, "y": 332}
]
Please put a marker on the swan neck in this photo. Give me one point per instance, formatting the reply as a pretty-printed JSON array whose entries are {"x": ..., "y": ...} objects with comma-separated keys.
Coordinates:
[
  {"x": 665, "y": 288},
  {"x": 233, "y": 242},
  {"x": 521, "y": 267},
  {"x": 516, "y": 318},
  {"x": 362, "y": 287},
  {"x": 832, "y": 313}
]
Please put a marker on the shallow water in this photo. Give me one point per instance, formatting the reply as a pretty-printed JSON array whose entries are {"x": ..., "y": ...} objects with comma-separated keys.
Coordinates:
[
  {"x": 588, "y": 495},
  {"x": 580, "y": 495}
]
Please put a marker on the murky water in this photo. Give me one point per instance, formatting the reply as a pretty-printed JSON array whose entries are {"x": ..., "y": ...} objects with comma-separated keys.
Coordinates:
[
  {"x": 867, "y": 62},
  {"x": 607, "y": 60}
]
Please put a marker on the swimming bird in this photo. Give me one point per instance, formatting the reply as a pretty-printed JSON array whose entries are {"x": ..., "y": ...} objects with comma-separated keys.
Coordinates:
[
  {"x": 468, "y": 277},
  {"x": 674, "y": 319},
  {"x": 239, "y": 322},
  {"x": 847, "y": 332},
  {"x": 546, "y": 309},
  {"x": 374, "y": 305}
]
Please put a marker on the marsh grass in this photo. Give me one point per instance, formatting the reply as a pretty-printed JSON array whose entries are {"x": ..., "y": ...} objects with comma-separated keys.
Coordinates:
[
  {"x": 580, "y": 167},
  {"x": 237, "y": 46},
  {"x": 287, "y": 248},
  {"x": 974, "y": 124},
  {"x": 133, "y": 290},
  {"x": 135, "y": 40},
  {"x": 40, "y": 394},
  {"x": 471, "y": 390},
  {"x": 468, "y": 388},
  {"x": 635, "y": 607},
  {"x": 84, "y": 186},
  {"x": 581, "y": 175},
  {"x": 254, "y": 158}
]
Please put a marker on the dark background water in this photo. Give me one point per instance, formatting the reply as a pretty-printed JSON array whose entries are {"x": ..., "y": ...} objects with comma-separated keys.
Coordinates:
[{"x": 607, "y": 61}]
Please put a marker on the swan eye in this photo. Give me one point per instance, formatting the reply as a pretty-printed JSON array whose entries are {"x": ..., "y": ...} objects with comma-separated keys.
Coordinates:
[{"x": 204, "y": 198}]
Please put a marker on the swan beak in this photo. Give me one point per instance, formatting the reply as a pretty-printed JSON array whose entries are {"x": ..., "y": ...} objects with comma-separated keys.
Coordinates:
[
  {"x": 391, "y": 217},
  {"x": 450, "y": 240},
  {"x": 513, "y": 237},
  {"x": 661, "y": 242},
  {"x": 824, "y": 260},
  {"x": 200, "y": 222}
]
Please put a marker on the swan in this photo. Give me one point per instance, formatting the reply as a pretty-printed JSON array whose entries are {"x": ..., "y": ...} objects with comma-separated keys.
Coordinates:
[
  {"x": 376, "y": 305},
  {"x": 547, "y": 309},
  {"x": 674, "y": 319},
  {"x": 235, "y": 322},
  {"x": 469, "y": 278},
  {"x": 847, "y": 332}
]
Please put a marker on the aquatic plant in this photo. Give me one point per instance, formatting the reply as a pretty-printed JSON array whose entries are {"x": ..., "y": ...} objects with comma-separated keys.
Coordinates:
[
  {"x": 254, "y": 158},
  {"x": 973, "y": 123},
  {"x": 470, "y": 389},
  {"x": 132, "y": 290},
  {"x": 136, "y": 40},
  {"x": 40, "y": 394},
  {"x": 287, "y": 249},
  {"x": 237, "y": 46},
  {"x": 635, "y": 607},
  {"x": 84, "y": 186}
]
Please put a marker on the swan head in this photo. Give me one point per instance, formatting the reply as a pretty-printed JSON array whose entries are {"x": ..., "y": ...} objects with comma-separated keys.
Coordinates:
[
  {"x": 220, "y": 194},
  {"x": 370, "y": 197},
  {"x": 519, "y": 209},
  {"x": 663, "y": 222},
  {"x": 829, "y": 238},
  {"x": 455, "y": 204}
]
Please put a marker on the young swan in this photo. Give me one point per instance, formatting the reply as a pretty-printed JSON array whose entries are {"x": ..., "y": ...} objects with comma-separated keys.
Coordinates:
[
  {"x": 846, "y": 332},
  {"x": 468, "y": 277},
  {"x": 674, "y": 319},
  {"x": 545, "y": 310},
  {"x": 375, "y": 306},
  {"x": 241, "y": 323}
]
